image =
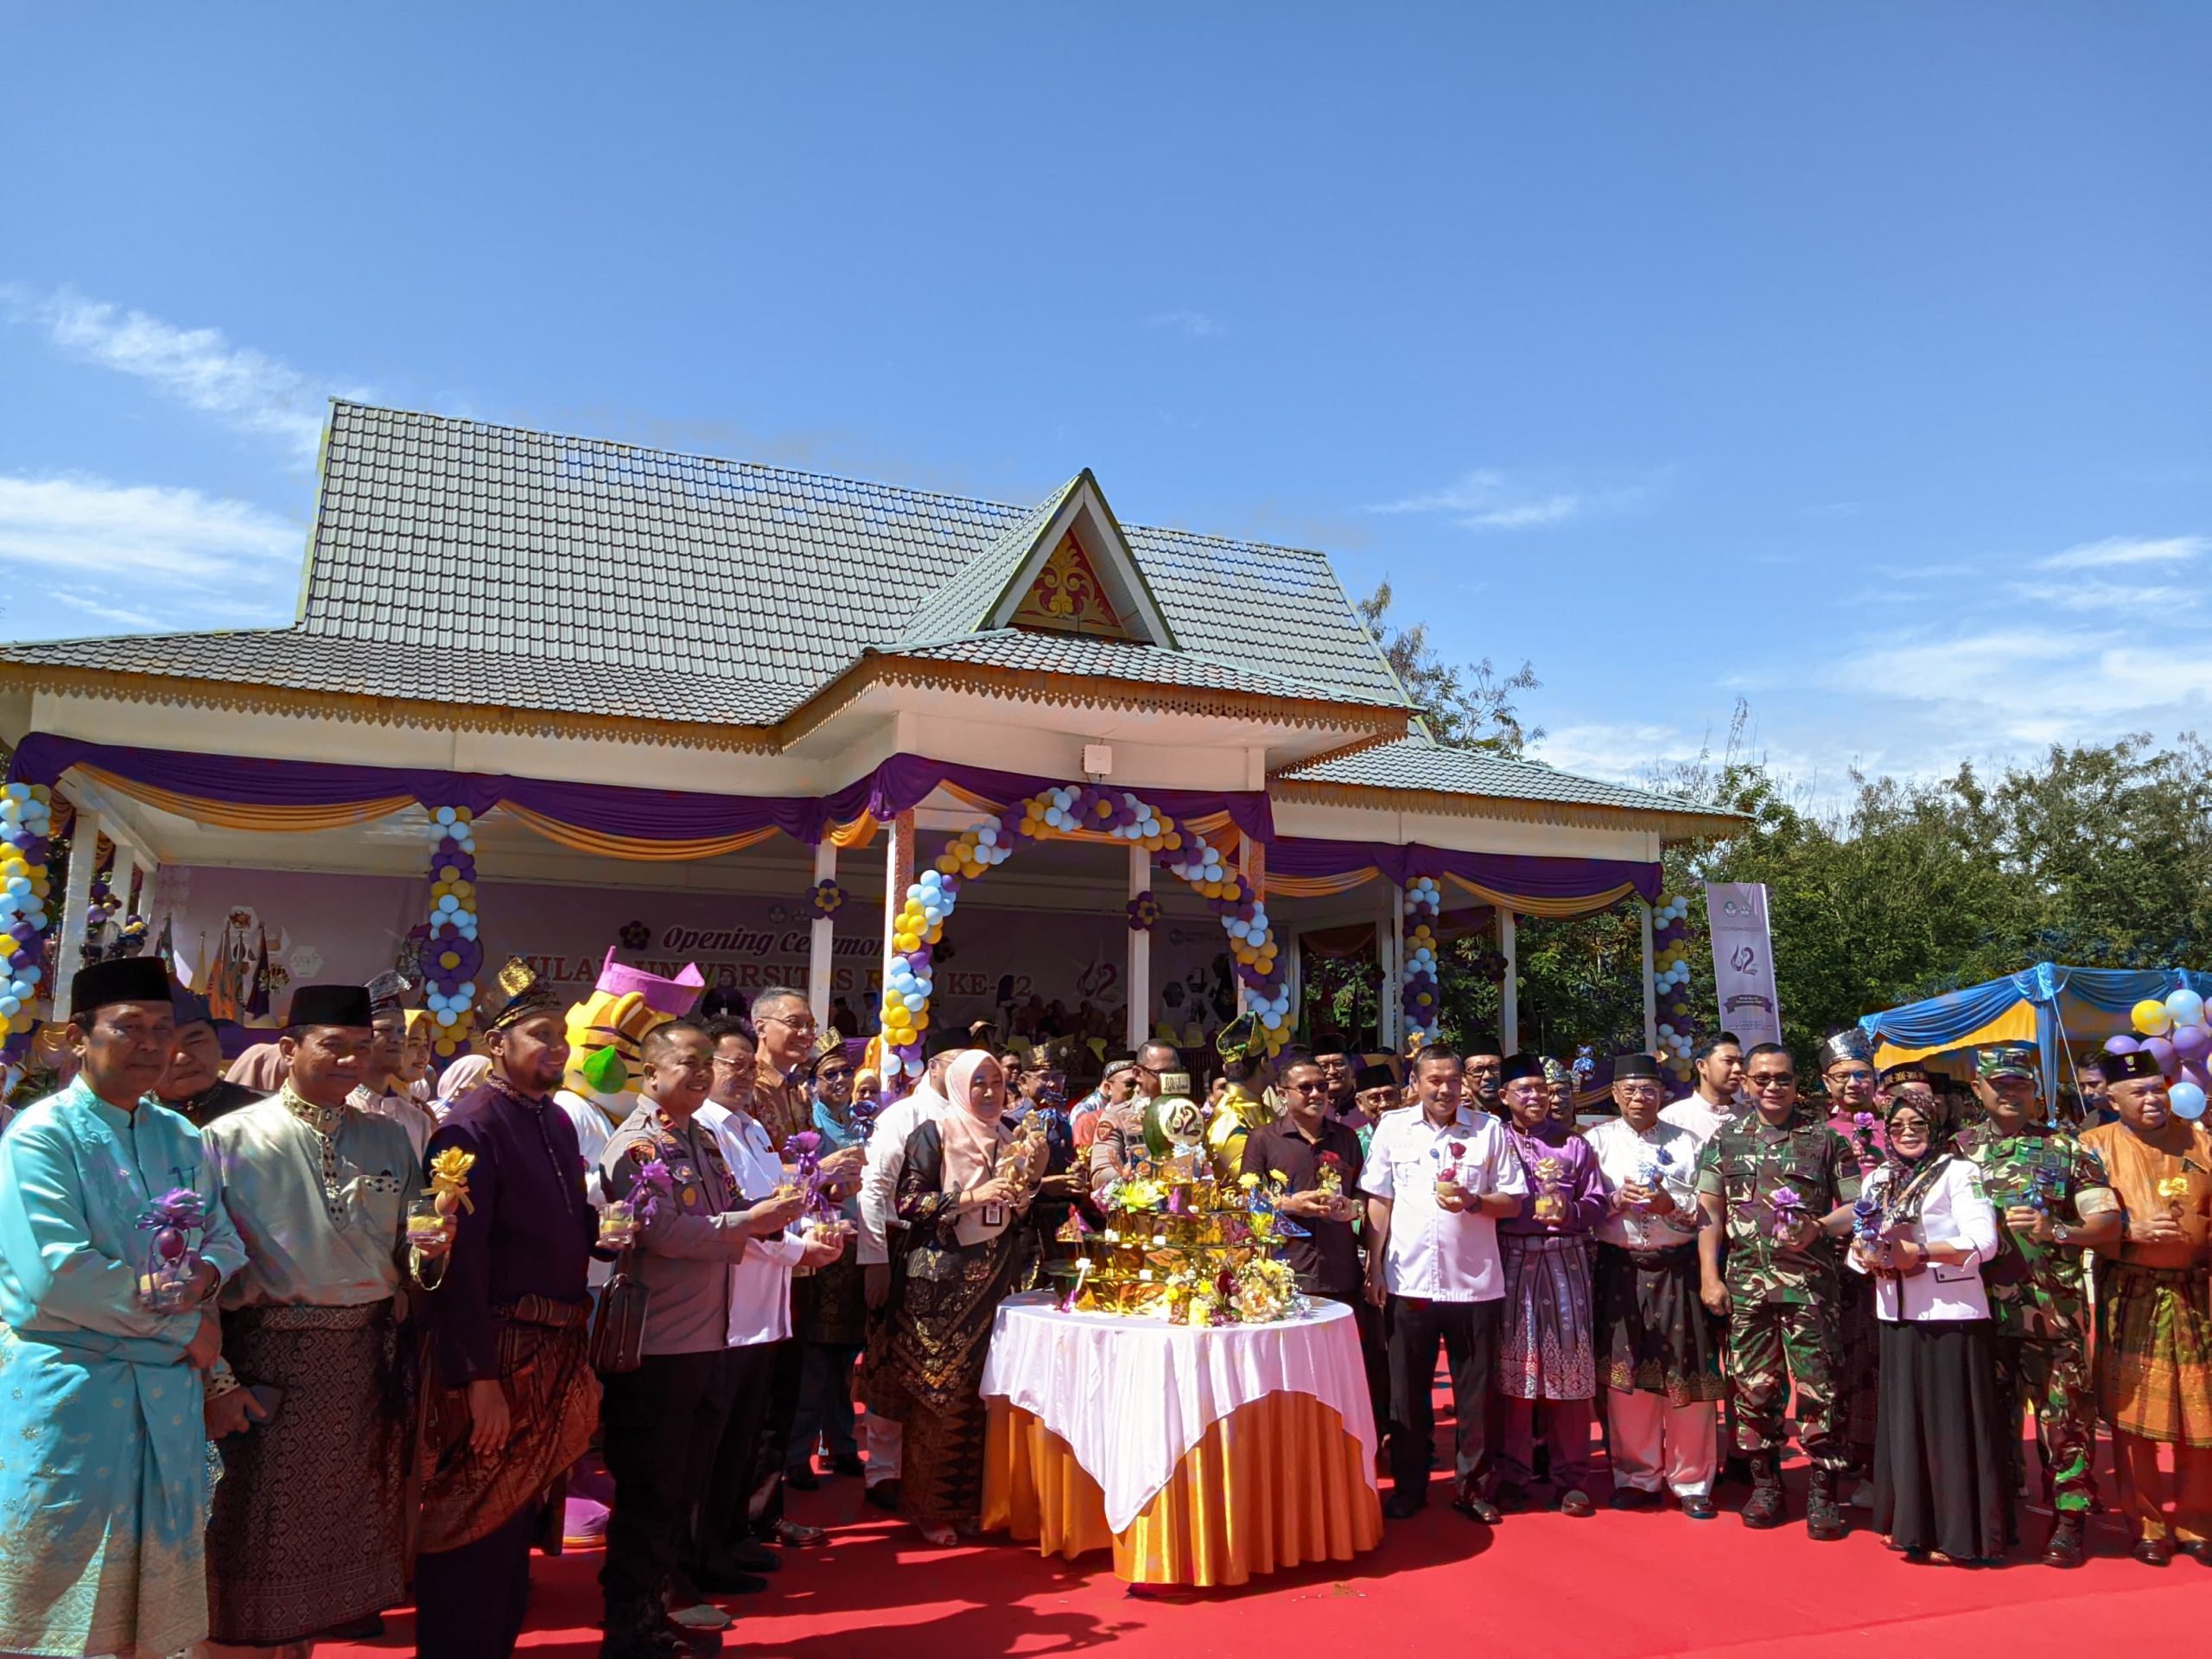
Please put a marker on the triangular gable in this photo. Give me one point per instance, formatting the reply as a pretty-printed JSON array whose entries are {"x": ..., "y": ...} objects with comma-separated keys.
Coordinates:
[{"x": 1078, "y": 575}]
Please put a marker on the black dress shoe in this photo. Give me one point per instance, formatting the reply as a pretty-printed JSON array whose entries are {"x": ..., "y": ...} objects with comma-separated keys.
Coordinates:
[
  {"x": 2198, "y": 1550},
  {"x": 800, "y": 1478},
  {"x": 1630, "y": 1498},
  {"x": 884, "y": 1495},
  {"x": 1574, "y": 1503},
  {"x": 1698, "y": 1507},
  {"x": 1479, "y": 1508},
  {"x": 1402, "y": 1506},
  {"x": 847, "y": 1464},
  {"x": 2154, "y": 1552},
  {"x": 1511, "y": 1497},
  {"x": 749, "y": 1555}
]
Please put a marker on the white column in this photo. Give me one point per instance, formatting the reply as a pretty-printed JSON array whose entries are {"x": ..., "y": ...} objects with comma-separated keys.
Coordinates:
[
  {"x": 1650, "y": 984},
  {"x": 1391, "y": 948},
  {"x": 1140, "y": 976},
  {"x": 818, "y": 961},
  {"x": 118, "y": 881},
  {"x": 1508, "y": 990},
  {"x": 83, "y": 852}
]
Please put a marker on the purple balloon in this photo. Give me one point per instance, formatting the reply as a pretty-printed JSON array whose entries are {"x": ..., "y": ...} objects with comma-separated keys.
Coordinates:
[
  {"x": 2163, "y": 1052},
  {"x": 2121, "y": 1044},
  {"x": 2193, "y": 1042},
  {"x": 2197, "y": 1073}
]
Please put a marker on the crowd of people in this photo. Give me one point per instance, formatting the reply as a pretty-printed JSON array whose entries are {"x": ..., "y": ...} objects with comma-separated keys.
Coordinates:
[{"x": 283, "y": 1350}]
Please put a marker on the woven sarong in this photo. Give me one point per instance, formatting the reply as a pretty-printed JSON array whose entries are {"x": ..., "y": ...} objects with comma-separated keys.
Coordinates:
[
  {"x": 308, "y": 1527},
  {"x": 553, "y": 1403},
  {"x": 1544, "y": 1339},
  {"x": 1654, "y": 1335},
  {"x": 2154, "y": 1352}
]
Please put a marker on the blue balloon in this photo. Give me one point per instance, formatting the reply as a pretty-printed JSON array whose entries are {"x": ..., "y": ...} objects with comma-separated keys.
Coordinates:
[{"x": 2188, "y": 1099}]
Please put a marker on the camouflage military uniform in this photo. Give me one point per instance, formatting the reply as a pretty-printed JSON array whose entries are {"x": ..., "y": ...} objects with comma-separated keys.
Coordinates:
[
  {"x": 1783, "y": 1302},
  {"x": 2037, "y": 1297}
]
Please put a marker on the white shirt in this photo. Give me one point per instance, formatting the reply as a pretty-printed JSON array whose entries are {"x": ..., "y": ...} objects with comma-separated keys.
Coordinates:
[
  {"x": 887, "y": 1158},
  {"x": 1697, "y": 1114},
  {"x": 1625, "y": 1158},
  {"x": 760, "y": 1285},
  {"x": 1433, "y": 1253},
  {"x": 1955, "y": 1212}
]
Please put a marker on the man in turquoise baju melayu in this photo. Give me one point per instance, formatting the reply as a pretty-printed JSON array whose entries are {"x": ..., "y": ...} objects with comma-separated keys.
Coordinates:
[{"x": 102, "y": 1468}]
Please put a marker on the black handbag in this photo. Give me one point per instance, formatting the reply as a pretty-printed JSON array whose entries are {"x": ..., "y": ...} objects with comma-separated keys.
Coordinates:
[{"x": 618, "y": 1328}]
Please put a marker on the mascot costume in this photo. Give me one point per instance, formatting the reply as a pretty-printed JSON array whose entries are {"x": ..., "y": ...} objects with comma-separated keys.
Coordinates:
[{"x": 606, "y": 1032}]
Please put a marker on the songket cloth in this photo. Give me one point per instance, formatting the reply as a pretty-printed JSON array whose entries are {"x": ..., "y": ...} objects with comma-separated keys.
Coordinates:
[
  {"x": 309, "y": 1528},
  {"x": 1654, "y": 1334},
  {"x": 1545, "y": 1349},
  {"x": 103, "y": 1471},
  {"x": 2154, "y": 1352}
]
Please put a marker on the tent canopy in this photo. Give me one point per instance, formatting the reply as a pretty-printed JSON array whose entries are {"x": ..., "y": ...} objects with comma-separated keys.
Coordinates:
[{"x": 2048, "y": 1005}]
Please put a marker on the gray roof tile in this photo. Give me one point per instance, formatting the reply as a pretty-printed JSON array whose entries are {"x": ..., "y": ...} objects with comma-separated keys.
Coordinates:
[{"x": 1418, "y": 763}]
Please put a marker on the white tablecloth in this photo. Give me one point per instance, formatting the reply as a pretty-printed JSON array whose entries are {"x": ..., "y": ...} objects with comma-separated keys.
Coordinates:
[{"x": 1131, "y": 1397}]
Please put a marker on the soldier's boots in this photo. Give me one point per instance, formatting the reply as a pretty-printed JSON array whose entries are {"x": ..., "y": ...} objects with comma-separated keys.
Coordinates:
[
  {"x": 1764, "y": 1508},
  {"x": 2068, "y": 1540},
  {"x": 1825, "y": 1520}
]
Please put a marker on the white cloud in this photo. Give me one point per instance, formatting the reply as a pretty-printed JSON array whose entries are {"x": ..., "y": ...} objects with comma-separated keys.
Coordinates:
[
  {"x": 1193, "y": 325},
  {"x": 2115, "y": 551},
  {"x": 2092, "y": 595},
  {"x": 143, "y": 557},
  {"x": 1485, "y": 498},
  {"x": 246, "y": 389}
]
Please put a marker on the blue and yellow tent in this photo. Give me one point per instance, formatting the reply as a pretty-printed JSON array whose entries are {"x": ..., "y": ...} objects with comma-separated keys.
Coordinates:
[{"x": 2054, "y": 1007}]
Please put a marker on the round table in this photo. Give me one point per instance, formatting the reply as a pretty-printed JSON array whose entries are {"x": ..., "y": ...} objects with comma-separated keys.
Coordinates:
[{"x": 1198, "y": 1455}]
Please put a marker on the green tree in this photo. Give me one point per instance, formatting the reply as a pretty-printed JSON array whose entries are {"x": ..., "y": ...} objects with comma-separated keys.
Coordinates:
[{"x": 1471, "y": 706}]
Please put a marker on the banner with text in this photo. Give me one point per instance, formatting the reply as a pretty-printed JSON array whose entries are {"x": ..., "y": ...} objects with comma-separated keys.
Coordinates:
[{"x": 1743, "y": 961}]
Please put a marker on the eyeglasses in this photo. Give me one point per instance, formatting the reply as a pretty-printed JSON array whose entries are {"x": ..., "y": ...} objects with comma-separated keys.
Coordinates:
[
  {"x": 1770, "y": 1079},
  {"x": 1636, "y": 1091},
  {"x": 729, "y": 1065},
  {"x": 805, "y": 1024}
]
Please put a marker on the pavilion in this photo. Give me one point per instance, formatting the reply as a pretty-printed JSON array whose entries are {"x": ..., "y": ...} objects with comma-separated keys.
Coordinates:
[{"x": 574, "y": 693}]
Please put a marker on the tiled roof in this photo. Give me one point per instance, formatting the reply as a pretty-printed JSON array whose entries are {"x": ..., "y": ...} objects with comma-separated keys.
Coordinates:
[
  {"x": 296, "y": 659},
  {"x": 442, "y": 534},
  {"x": 1022, "y": 651},
  {"x": 1416, "y": 763},
  {"x": 957, "y": 607}
]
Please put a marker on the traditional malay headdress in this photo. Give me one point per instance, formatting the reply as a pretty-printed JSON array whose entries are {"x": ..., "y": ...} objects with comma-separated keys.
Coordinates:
[
  {"x": 1372, "y": 1077},
  {"x": 119, "y": 979},
  {"x": 1555, "y": 1072},
  {"x": 1636, "y": 1068},
  {"x": 190, "y": 1008},
  {"x": 517, "y": 993},
  {"x": 387, "y": 993},
  {"x": 329, "y": 1005},
  {"x": 1849, "y": 1044},
  {"x": 1908, "y": 1071}
]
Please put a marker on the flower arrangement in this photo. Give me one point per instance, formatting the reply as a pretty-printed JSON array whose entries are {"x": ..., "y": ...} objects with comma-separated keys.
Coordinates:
[
  {"x": 1144, "y": 913},
  {"x": 449, "y": 1180},
  {"x": 828, "y": 897},
  {"x": 451, "y": 955}
]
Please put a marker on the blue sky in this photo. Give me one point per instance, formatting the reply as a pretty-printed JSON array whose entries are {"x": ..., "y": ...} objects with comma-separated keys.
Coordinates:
[{"x": 1852, "y": 360}]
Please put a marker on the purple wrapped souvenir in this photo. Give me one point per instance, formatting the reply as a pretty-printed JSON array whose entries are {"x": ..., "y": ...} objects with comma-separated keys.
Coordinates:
[
  {"x": 804, "y": 1150},
  {"x": 1789, "y": 1207},
  {"x": 172, "y": 1257}
]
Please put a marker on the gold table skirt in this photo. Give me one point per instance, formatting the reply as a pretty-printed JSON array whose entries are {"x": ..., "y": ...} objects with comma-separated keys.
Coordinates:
[{"x": 1274, "y": 1485}]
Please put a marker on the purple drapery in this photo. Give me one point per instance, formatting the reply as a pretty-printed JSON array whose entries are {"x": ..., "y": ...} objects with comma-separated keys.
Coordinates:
[
  {"x": 1515, "y": 873},
  {"x": 899, "y": 784}
]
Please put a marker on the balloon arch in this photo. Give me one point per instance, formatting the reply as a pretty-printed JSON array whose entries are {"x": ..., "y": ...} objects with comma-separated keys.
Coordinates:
[{"x": 1070, "y": 809}]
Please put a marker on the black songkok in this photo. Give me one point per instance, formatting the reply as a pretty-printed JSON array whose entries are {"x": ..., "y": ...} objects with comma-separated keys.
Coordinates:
[
  {"x": 2120, "y": 1068},
  {"x": 1518, "y": 1067},
  {"x": 1636, "y": 1068},
  {"x": 329, "y": 1005},
  {"x": 120, "y": 979}
]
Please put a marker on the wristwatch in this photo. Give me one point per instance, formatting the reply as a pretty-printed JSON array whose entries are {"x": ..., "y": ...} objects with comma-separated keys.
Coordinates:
[{"x": 2060, "y": 1234}]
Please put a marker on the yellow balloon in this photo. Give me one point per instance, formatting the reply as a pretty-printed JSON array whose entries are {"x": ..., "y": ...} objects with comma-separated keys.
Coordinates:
[
  {"x": 8, "y": 945},
  {"x": 922, "y": 1020},
  {"x": 2150, "y": 1018}
]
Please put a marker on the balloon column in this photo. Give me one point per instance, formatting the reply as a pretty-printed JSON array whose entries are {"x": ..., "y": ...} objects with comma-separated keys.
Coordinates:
[
  {"x": 452, "y": 955},
  {"x": 2177, "y": 1032},
  {"x": 1067, "y": 810},
  {"x": 26, "y": 831},
  {"x": 1421, "y": 993},
  {"x": 1670, "y": 969}
]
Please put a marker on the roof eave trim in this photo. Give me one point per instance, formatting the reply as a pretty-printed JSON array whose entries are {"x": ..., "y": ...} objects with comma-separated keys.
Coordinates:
[{"x": 1682, "y": 824}]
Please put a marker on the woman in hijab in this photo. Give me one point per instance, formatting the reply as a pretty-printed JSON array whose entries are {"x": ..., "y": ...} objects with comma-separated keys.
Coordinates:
[
  {"x": 1923, "y": 1228},
  {"x": 956, "y": 1257},
  {"x": 456, "y": 1080}
]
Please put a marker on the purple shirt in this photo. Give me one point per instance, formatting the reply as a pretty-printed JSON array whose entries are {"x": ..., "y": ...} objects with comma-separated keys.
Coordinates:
[
  {"x": 1579, "y": 1185},
  {"x": 531, "y": 1230}
]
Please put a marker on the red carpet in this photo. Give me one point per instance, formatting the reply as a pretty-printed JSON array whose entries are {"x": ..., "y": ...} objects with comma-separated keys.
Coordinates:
[{"x": 1543, "y": 1586}]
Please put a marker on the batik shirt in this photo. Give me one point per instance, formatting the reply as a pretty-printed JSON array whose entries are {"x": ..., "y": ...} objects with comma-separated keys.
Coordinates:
[
  {"x": 1744, "y": 1165},
  {"x": 2035, "y": 1289}
]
